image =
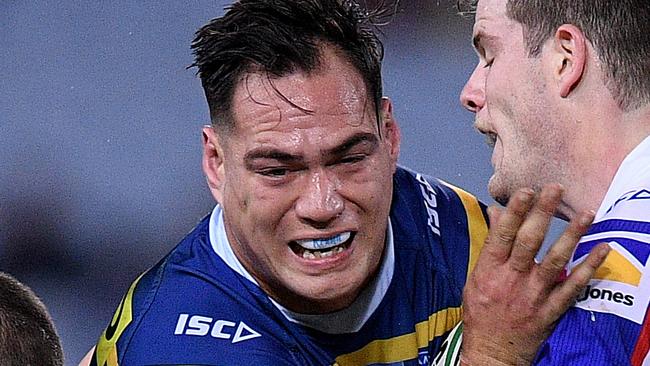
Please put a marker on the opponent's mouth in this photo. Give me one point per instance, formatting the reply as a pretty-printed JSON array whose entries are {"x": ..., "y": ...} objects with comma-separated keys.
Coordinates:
[
  {"x": 490, "y": 139},
  {"x": 322, "y": 247}
]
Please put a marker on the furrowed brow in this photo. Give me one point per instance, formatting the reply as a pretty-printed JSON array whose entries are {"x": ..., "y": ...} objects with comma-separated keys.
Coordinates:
[
  {"x": 354, "y": 140},
  {"x": 286, "y": 158},
  {"x": 270, "y": 153}
]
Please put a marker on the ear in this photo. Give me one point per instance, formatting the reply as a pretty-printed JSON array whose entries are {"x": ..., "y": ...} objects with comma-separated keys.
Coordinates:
[
  {"x": 570, "y": 57},
  {"x": 391, "y": 132},
  {"x": 213, "y": 162}
]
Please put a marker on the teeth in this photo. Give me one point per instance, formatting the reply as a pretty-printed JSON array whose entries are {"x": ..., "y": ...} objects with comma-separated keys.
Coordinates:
[
  {"x": 307, "y": 254},
  {"x": 325, "y": 243}
]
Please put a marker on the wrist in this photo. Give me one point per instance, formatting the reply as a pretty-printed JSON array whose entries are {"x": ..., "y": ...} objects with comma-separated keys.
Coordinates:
[{"x": 490, "y": 357}]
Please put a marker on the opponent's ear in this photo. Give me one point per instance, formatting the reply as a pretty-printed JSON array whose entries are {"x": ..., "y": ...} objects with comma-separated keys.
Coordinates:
[
  {"x": 213, "y": 162},
  {"x": 390, "y": 129},
  {"x": 569, "y": 57}
]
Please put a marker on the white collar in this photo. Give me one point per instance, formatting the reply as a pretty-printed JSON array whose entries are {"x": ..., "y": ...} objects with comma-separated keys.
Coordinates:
[
  {"x": 632, "y": 172},
  {"x": 347, "y": 320}
]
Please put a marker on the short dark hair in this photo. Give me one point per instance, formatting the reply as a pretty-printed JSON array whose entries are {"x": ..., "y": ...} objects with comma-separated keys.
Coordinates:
[
  {"x": 279, "y": 37},
  {"x": 618, "y": 30},
  {"x": 27, "y": 333}
]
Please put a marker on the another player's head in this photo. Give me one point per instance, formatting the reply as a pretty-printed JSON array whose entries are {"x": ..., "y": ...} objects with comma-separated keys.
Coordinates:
[
  {"x": 27, "y": 334},
  {"x": 302, "y": 146},
  {"x": 552, "y": 79}
]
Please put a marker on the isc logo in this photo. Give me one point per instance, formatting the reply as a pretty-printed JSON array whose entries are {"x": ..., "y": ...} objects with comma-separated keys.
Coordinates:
[{"x": 198, "y": 325}]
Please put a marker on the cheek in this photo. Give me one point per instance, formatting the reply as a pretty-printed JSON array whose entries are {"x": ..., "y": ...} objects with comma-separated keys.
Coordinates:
[
  {"x": 268, "y": 210},
  {"x": 370, "y": 188},
  {"x": 506, "y": 81},
  {"x": 247, "y": 200}
]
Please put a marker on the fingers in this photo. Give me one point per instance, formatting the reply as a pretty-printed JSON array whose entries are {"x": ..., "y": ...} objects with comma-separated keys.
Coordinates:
[
  {"x": 565, "y": 294},
  {"x": 494, "y": 213},
  {"x": 502, "y": 234},
  {"x": 560, "y": 253},
  {"x": 531, "y": 234}
]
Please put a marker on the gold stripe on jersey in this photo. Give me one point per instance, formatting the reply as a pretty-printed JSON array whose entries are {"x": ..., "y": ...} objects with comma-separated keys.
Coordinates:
[
  {"x": 476, "y": 225},
  {"x": 618, "y": 268},
  {"x": 404, "y": 347},
  {"x": 106, "y": 352}
]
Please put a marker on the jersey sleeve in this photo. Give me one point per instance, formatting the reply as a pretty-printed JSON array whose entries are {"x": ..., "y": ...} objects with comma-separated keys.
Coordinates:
[
  {"x": 453, "y": 222},
  {"x": 106, "y": 349},
  {"x": 475, "y": 213},
  {"x": 163, "y": 323}
]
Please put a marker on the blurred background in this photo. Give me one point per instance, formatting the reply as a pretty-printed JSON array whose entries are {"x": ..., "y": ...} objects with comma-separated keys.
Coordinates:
[{"x": 100, "y": 150}]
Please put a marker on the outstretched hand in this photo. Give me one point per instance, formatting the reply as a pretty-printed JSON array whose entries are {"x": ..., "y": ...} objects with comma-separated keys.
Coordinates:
[{"x": 512, "y": 303}]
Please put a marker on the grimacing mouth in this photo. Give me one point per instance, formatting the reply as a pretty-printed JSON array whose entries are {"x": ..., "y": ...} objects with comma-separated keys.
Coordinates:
[{"x": 328, "y": 246}]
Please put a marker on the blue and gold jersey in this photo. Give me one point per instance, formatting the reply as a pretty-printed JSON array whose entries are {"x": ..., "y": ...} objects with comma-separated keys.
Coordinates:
[{"x": 193, "y": 309}]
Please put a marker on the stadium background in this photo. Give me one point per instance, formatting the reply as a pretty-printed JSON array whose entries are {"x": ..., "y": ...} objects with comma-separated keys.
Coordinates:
[{"x": 100, "y": 138}]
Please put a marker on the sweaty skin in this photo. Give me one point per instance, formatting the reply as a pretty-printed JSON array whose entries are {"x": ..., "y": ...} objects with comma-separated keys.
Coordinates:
[{"x": 305, "y": 161}]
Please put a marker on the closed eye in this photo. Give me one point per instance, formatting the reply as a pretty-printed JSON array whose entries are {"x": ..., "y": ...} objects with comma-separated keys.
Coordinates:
[
  {"x": 353, "y": 159},
  {"x": 273, "y": 172}
]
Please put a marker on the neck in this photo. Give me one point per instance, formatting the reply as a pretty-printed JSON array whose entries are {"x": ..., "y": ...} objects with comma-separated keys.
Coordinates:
[{"x": 605, "y": 143}]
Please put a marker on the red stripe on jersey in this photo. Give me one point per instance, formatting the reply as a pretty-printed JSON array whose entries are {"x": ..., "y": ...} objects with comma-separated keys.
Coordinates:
[{"x": 642, "y": 344}]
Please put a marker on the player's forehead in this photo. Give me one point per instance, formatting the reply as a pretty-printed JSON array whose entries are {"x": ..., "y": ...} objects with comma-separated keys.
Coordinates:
[
  {"x": 490, "y": 9},
  {"x": 321, "y": 92},
  {"x": 491, "y": 21},
  {"x": 334, "y": 91}
]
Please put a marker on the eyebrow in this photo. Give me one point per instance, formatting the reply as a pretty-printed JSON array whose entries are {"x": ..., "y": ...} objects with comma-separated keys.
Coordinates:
[
  {"x": 270, "y": 153},
  {"x": 352, "y": 141},
  {"x": 275, "y": 154}
]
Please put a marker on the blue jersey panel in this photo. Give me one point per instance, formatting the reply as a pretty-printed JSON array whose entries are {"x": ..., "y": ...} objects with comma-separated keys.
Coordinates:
[{"x": 193, "y": 309}]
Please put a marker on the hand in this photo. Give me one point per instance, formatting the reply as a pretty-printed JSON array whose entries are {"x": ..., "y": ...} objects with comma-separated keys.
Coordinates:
[{"x": 511, "y": 303}]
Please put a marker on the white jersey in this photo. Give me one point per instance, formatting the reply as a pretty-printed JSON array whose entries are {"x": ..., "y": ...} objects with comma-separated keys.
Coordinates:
[
  {"x": 622, "y": 285},
  {"x": 609, "y": 324}
]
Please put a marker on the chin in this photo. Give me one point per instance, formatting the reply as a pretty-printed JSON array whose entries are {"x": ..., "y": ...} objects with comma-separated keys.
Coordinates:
[
  {"x": 327, "y": 300},
  {"x": 322, "y": 304},
  {"x": 499, "y": 192}
]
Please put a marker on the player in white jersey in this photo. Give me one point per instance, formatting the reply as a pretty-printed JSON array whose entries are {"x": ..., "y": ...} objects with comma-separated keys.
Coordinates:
[
  {"x": 620, "y": 291},
  {"x": 562, "y": 90},
  {"x": 623, "y": 220}
]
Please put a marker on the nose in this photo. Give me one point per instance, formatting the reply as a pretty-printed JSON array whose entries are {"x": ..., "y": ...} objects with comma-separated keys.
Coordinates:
[
  {"x": 319, "y": 203},
  {"x": 472, "y": 97}
]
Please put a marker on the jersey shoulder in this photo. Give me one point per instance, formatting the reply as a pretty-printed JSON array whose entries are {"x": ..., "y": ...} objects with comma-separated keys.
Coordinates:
[
  {"x": 451, "y": 221},
  {"x": 191, "y": 308},
  {"x": 621, "y": 286}
]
